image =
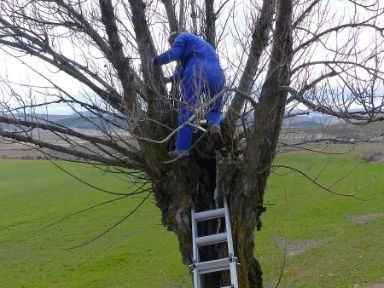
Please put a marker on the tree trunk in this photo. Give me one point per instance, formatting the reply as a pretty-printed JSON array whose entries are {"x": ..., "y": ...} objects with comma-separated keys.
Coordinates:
[{"x": 180, "y": 187}]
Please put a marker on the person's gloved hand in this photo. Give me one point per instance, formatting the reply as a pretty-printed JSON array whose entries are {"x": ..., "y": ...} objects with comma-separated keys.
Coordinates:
[{"x": 155, "y": 61}]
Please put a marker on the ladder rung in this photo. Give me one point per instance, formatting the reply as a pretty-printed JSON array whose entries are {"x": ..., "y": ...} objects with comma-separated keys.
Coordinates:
[
  {"x": 211, "y": 239},
  {"x": 212, "y": 266},
  {"x": 209, "y": 214}
]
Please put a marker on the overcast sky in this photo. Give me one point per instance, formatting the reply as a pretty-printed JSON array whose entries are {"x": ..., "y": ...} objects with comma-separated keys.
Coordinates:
[{"x": 15, "y": 71}]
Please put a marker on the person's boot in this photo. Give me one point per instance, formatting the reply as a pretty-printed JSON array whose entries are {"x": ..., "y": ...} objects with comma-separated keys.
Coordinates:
[{"x": 215, "y": 138}]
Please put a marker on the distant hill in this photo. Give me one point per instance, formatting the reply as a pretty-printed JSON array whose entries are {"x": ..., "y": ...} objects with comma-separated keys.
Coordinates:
[
  {"x": 309, "y": 123},
  {"x": 312, "y": 120},
  {"x": 89, "y": 123},
  {"x": 84, "y": 120}
]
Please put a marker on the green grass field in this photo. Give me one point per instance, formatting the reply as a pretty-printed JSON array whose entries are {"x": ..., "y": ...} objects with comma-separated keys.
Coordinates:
[{"x": 314, "y": 228}]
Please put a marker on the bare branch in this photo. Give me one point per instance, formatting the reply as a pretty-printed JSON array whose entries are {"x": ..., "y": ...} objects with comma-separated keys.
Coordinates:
[
  {"x": 259, "y": 42},
  {"x": 210, "y": 19},
  {"x": 315, "y": 182},
  {"x": 152, "y": 75},
  {"x": 66, "y": 131},
  {"x": 171, "y": 15},
  {"x": 194, "y": 16},
  {"x": 119, "y": 60},
  {"x": 335, "y": 29},
  {"x": 113, "y": 226},
  {"x": 327, "y": 110},
  {"x": 305, "y": 13}
]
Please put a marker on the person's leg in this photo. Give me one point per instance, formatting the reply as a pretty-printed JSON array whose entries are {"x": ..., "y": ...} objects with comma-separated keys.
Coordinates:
[
  {"x": 213, "y": 118},
  {"x": 186, "y": 105},
  {"x": 184, "y": 135},
  {"x": 216, "y": 83}
]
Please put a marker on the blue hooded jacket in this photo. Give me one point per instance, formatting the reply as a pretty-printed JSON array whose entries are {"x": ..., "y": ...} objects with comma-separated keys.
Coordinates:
[{"x": 194, "y": 55}]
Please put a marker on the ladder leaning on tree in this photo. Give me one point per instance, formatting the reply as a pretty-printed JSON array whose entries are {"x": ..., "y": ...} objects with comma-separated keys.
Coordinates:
[{"x": 204, "y": 267}]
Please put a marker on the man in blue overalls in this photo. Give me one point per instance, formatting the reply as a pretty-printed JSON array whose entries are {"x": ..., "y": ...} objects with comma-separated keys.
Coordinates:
[{"x": 201, "y": 76}]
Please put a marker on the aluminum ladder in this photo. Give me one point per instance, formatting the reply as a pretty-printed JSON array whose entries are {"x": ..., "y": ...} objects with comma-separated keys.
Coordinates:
[{"x": 204, "y": 267}]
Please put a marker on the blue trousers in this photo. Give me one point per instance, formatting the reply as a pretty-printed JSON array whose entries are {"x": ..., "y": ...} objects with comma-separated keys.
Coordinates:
[{"x": 198, "y": 87}]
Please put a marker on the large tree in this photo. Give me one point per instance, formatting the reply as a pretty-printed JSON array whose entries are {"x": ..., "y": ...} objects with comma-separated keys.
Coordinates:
[{"x": 279, "y": 55}]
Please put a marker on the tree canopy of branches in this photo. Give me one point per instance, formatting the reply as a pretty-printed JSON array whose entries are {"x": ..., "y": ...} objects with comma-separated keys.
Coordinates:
[{"x": 95, "y": 58}]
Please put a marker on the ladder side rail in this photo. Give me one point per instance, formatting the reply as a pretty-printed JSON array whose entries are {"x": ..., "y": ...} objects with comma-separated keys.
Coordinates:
[
  {"x": 195, "y": 272},
  {"x": 231, "y": 251},
  {"x": 194, "y": 236},
  {"x": 228, "y": 229}
]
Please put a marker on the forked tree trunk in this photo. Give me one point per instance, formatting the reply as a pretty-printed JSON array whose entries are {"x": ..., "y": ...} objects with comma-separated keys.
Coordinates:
[
  {"x": 193, "y": 184},
  {"x": 178, "y": 188}
]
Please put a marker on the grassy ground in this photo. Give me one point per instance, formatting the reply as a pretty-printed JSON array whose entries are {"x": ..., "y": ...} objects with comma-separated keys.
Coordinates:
[
  {"x": 33, "y": 194},
  {"x": 329, "y": 240}
]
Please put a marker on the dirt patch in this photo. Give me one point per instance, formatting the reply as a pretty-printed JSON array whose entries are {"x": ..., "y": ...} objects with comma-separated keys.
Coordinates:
[
  {"x": 9, "y": 150},
  {"x": 374, "y": 157},
  {"x": 294, "y": 248},
  {"x": 378, "y": 285},
  {"x": 362, "y": 219}
]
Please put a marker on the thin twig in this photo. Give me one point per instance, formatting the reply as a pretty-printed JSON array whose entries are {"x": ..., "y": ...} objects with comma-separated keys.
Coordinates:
[
  {"x": 86, "y": 183},
  {"x": 317, "y": 183},
  {"x": 137, "y": 192},
  {"x": 113, "y": 226}
]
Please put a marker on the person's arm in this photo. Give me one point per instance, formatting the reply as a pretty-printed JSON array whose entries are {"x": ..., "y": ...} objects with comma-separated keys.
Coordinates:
[{"x": 174, "y": 53}]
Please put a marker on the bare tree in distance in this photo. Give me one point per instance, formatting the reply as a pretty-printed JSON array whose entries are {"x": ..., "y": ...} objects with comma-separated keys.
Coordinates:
[{"x": 280, "y": 56}]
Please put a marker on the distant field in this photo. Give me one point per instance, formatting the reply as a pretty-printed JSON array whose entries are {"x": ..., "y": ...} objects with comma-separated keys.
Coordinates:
[{"x": 329, "y": 240}]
